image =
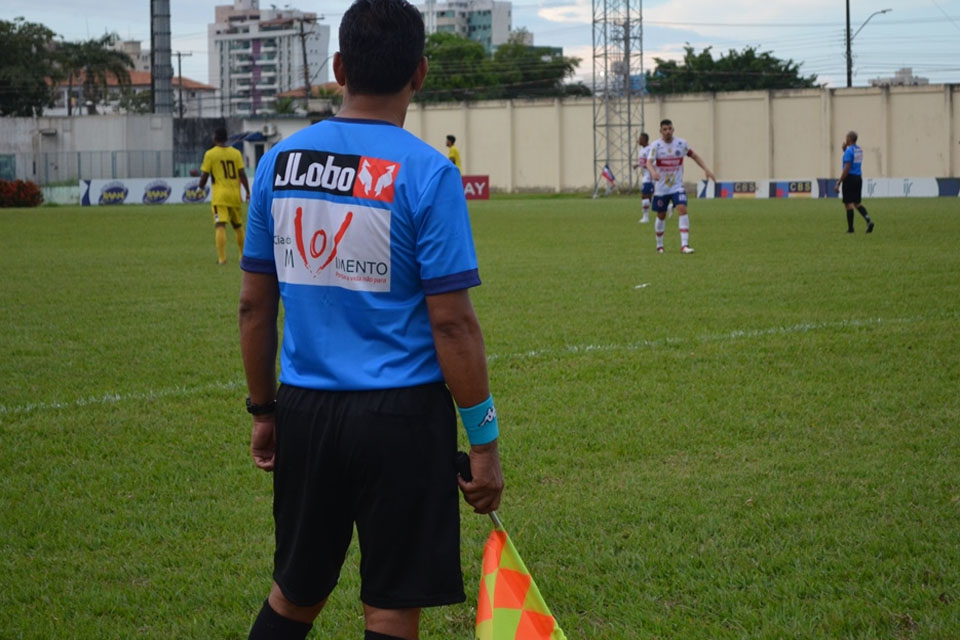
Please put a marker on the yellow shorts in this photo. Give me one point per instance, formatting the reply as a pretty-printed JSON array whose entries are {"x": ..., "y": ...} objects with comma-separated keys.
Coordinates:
[{"x": 222, "y": 214}]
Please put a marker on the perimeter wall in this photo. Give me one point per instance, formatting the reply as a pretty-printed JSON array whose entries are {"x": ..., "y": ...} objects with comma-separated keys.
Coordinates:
[
  {"x": 547, "y": 145},
  {"x": 757, "y": 135}
]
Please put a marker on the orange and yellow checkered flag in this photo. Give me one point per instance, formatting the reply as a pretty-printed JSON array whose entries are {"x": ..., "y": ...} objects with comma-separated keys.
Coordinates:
[{"x": 510, "y": 606}]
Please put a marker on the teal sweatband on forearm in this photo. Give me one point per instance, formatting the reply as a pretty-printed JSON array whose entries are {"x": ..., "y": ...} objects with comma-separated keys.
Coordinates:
[{"x": 480, "y": 422}]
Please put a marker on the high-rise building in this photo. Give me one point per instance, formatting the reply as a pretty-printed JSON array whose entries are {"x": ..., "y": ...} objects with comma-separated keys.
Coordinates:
[
  {"x": 255, "y": 54},
  {"x": 486, "y": 21},
  {"x": 134, "y": 49}
]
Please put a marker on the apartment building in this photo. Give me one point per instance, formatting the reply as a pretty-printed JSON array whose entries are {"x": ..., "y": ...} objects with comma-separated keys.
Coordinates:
[
  {"x": 254, "y": 54},
  {"x": 485, "y": 21}
]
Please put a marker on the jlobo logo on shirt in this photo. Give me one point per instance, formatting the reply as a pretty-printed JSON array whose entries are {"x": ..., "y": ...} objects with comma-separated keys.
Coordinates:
[
  {"x": 318, "y": 242},
  {"x": 340, "y": 174}
]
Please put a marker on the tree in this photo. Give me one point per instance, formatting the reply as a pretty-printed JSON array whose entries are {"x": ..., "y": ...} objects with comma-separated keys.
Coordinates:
[
  {"x": 460, "y": 69},
  {"x": 525, "y": 71},
  {"x": 93, "y": 63},
  {"x": 284, "y": 106},
  {"x": 135, "y": 101},
  {"x": 68, "y": 61},
  {"x": 746, "y": 70},
  {"x": 25, "y": 66},
  {"x": 98, "y": 61}
]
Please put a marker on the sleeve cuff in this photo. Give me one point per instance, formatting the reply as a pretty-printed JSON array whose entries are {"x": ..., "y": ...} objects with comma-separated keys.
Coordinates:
[
  {"x": 453, "y": 282},
  {"x": 255, "y": 265}
]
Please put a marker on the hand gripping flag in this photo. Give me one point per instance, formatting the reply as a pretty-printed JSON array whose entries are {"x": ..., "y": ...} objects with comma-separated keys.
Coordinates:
[
  {"x": 608, "y": 175},
  {"x": 510, "y": 606}
]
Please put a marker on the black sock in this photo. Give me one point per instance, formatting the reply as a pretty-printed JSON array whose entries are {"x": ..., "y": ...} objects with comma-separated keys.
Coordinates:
[
  {"x": 270, "y": 625},
  {"x": 849, "y": 219},
  {"x": 373, "y": 635},
  {"x": 863, "y": 211}
]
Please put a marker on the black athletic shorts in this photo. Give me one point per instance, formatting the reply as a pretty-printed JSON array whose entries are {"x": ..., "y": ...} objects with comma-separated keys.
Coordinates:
[
  {"x": 383, "y": 460},
  {"x": 852, "y": 187}
]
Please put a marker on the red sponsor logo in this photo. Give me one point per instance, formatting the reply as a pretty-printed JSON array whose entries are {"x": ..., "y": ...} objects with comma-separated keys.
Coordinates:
[
  {"x": 375, "y": 179},
  {"x": 320, "y": 249},
  {"x": 669, "y": 162},
  {"x": 476, "y": 187}
]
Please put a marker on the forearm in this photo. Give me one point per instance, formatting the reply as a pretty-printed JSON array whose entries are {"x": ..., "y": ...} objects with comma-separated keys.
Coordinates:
[
  {"x": 258, "y": 343},
  {"x": 846, "y": 172},
  {"x": 460, "y": 351},
  {"x": 699, "y": 161}
]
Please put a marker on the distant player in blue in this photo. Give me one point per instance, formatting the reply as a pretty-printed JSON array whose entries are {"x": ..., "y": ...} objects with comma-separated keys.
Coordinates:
[
  {"x": 361, "y": 231},
  {"x": 852, "y": 181}
]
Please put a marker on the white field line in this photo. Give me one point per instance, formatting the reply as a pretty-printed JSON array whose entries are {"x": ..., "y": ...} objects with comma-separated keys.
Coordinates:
[
  {"x": 116, "y": 398},
  {"x": 704, "y": 339}
]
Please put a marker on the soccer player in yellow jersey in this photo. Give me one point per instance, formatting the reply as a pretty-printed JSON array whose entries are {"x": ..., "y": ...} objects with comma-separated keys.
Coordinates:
[
  {"x": 224, "y": 166},
  {"x": 453, "y": 153}
]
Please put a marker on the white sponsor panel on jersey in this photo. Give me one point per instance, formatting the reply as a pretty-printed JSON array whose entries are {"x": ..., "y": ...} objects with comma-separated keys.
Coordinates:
[{"x": 332, "y": 244}]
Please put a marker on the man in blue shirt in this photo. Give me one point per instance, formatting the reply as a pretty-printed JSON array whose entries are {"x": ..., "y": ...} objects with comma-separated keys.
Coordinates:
[
  {"x": 852, "y": 181},
  {"x": 361, "y": 231}
]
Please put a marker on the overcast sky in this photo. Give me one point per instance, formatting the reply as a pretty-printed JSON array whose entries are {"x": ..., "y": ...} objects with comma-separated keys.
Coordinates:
[{"x": 923, "y": 34}]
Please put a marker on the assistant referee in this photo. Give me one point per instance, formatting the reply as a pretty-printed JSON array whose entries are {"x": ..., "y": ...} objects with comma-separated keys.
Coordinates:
[{"x": 361, "y": 231}]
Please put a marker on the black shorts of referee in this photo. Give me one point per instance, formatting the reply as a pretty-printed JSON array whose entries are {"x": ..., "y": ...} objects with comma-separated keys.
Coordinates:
[
  {"x": 852, "y": 189},
  {"x": 383, "y": 461}
]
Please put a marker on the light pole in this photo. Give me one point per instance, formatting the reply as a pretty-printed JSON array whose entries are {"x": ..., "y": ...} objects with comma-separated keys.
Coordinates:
[{"x": 851, "y": 37}]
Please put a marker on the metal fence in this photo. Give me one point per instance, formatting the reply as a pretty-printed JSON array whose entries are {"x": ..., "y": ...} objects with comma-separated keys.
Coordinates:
[{"x": 63, "y": 168}]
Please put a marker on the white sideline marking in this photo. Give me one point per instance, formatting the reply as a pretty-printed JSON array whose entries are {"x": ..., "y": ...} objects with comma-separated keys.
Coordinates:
[
  {"x": 717, "y": 337},
  {"x": 116, "y": 398}
]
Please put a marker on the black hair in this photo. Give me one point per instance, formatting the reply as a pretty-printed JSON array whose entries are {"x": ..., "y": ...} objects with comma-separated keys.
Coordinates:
[
  {"x": 643, "y": 134},
  {"x": 665, "y": 121},
  {"x": 452, "y": 138},
  {"x": 381, "y": 45},
  {"x": 853, "y": 136},
  {"x": 219, "y": 134}
]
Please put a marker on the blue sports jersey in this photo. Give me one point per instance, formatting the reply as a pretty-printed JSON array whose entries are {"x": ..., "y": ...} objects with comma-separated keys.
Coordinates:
[
  {"x": 854, "y": 155},
  {"x": 360, "y": 221}
]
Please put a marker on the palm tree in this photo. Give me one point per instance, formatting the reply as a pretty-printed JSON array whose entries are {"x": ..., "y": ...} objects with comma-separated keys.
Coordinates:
[
  {"x": 94, "y": 62},
  {"x": 69, "y": 65},
  {"x": 284, "y": 106},
  {"x": 100, "y": 61}
]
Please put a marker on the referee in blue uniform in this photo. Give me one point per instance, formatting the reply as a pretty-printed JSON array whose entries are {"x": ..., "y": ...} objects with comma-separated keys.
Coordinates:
[
  {"x": 852, "y": 181},
  {"x": 361, "y": 231}
]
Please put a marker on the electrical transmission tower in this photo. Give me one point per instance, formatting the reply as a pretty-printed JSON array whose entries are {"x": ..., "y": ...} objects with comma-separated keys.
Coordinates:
[{"x": 618, "y": 88}]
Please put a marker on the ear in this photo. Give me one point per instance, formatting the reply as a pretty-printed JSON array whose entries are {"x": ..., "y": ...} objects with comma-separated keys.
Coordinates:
[
  {"x": 419, "y": 76},
  {"x": 338, "y": 72}
]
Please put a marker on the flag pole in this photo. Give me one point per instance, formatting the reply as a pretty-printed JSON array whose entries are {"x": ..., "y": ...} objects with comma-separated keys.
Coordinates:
[{"x": 496, "y": 520}]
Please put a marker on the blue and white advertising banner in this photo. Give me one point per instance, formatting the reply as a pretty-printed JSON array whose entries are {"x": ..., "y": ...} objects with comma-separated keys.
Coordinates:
[
  {"x": 825, "y": 188},
  {"x": 142, "y": 191}
]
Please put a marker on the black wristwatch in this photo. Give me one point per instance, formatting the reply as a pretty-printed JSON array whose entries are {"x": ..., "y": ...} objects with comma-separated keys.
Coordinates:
[{"x": 261, "y": 409}]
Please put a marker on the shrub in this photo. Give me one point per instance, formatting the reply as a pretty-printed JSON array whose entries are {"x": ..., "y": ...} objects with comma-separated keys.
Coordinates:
[{"x": 20, "y": 193}]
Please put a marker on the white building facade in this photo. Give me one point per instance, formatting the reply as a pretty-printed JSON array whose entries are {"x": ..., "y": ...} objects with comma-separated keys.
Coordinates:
[
  {"x": 485, "y": 21},
  {"x": 255, "y": 54}
]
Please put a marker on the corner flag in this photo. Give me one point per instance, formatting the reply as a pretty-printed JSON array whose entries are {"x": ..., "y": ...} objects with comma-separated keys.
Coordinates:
[
  {"x": 510, "y": 606},
  {"x": 608, "y": 175}
]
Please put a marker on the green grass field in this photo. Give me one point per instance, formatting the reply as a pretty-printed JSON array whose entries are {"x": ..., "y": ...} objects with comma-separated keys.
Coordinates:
[{"x": 761, "y": 440}]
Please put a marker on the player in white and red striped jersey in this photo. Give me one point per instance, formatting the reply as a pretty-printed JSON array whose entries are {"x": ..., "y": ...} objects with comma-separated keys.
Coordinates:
[{"x": 665, "y": 162}]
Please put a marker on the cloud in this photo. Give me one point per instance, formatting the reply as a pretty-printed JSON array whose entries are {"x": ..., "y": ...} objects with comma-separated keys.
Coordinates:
[
  {"x": 580, "y": 11},
  {"x": 584, "y": 72},
  {"x": 680, "y": 13}
]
